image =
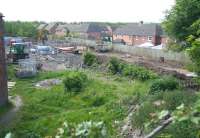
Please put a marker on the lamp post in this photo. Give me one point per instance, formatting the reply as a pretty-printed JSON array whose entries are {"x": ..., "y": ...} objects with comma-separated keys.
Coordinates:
[{"x": 3, "y": 72}]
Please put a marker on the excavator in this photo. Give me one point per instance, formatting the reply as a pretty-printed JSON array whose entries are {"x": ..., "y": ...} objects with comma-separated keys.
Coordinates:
[{"x": 17, "y": 51}]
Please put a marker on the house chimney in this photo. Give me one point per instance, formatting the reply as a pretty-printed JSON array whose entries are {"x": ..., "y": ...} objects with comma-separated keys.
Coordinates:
[
  {"x": 141, "y": 23},
  {"x": 3, "y": 72}
]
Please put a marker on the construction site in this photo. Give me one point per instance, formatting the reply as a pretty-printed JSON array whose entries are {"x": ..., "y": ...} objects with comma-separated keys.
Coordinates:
[{"x": 84, "y": 88}]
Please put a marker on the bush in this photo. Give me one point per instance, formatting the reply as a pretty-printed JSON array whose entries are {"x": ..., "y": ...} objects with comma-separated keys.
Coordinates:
[
  {"x": 74, "y": 81},
  {"x": 139, "y": 73},
  {"x": 115, "y": 66},
  {"x": 89, "y": 59},
  {"x": 164, "y": 84},
  {"x": 98, "y": 101},
  {"x": 195, "y": 56}
]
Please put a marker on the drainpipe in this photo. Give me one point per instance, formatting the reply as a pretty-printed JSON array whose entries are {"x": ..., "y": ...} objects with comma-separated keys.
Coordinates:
[{"x": 3, "y": 72}]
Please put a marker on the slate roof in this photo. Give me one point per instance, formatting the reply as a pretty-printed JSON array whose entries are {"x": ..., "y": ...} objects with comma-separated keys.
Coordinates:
[
  {"x": 50, "y": 26},
  {"x": 61, "y": 27},
  {"x": 78, "y": 27},
  {"x": 139, "y": 29},
  {"x": 41, "y": 26},
  {"x": 97, "y": 27},
  {"x": 84, "y": 27}
]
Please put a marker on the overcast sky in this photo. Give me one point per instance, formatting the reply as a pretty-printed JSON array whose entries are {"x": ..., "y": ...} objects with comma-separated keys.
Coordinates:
[{"x": 86, "y": 10}]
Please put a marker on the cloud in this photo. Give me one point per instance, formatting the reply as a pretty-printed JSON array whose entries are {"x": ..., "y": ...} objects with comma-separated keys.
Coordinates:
[{"x": 86, "y": 10}]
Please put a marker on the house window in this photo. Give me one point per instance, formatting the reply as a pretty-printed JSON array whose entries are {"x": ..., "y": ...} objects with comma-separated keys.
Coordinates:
[{"x": 150, "y": 38}]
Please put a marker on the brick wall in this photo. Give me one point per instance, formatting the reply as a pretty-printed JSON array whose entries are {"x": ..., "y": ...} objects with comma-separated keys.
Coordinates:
[
  {"x": 94, "y": 35},
  {"x": 138, "y": 40}
]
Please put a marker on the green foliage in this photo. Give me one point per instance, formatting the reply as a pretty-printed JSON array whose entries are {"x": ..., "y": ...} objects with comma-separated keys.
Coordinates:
[
  {"x": 156, "y": 106},
  {"x": 74, "y": 81},
  {"x": 174, "y": 46},
  {"x": 163, "y": 84},
  {"x": 136, "y": 72},
  {"x": 88, "y": 129},
  {"x": 18, "y": 28},
  {"x": 98, "y": 101},
  {"x": 194, "y": 53},
  {"x": 181, "y": 17},
  {"x": 89, "y": 59},
  {"x": 115, "y": 66},
  {"x": 143, "y": 114}
]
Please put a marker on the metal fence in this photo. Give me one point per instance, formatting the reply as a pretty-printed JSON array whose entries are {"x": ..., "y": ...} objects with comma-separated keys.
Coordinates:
[{"x": 181, "y": 57}]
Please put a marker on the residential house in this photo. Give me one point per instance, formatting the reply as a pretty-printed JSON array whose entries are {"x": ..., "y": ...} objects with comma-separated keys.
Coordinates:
[
  {"x": 78, "y": 29},
  {"x": 62, "y": 31},
  {"x": 99, "y": 31},
  {"x": 85, "y": 30},
  {"x": 41, "y": 26},
  {"x": 139, "y": 33},
  {"x": 51, "y": 28}
]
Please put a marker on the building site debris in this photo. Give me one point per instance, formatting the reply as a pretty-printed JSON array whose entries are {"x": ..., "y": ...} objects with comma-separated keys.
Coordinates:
[
  {"x": 11, "y": 85},
  {"x": 27, "y": 68},
  {"x": 46, "y": 84}
]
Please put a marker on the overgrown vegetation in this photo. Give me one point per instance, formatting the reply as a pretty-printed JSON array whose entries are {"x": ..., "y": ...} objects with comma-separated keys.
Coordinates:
[
  {"x": 45, "y": 110},
  {"x": 116, "y": 66},
  {"x": 89, "y": 59},
  {"x": 85, "y": 129},
  {"x": 179, "y": 19},
  {"x": 163, "y": 84},
  {"x": 147, "y": 117},
  {"x": 23, "y": 29},
  {"x": 74, "y": 81},
  {"x": 100, "y": 102}
]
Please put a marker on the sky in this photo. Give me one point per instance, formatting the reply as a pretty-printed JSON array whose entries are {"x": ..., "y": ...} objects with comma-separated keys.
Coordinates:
[{"x": 85, "y": 10}]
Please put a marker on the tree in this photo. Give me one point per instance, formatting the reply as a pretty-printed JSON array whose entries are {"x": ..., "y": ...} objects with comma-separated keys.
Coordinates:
[
  {"x": 180, "y": 18},
  {"x": 18, "y": 28}
]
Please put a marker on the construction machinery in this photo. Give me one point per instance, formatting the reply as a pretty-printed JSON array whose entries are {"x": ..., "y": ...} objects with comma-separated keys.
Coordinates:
[{"x": 17, "y": 51}]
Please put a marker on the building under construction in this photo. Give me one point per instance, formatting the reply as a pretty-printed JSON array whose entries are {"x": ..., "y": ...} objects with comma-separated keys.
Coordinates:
[{"x": 3, "y": 72}]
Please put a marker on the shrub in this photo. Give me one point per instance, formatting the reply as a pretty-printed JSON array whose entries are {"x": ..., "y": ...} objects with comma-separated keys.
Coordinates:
[
  {"x": 74, "y": 81},
  {"x": 89, "y": 59},
  {"x": 98, "y": 101},
  {"x": 194, "y": 55},
  {"x": 87, "y": 129},
  {"x": 115, "y": 65},
  {"x": 143, "y": 114},
  {"x": 135, "y": 72},
  {"x": 166, "y": 83}
]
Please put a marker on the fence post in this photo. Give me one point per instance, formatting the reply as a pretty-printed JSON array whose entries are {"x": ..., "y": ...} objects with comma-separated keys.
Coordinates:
[{"x": 3, "y": 72}]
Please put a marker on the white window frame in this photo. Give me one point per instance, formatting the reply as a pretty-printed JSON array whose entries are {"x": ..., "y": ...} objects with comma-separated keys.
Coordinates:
[{"x": 150, "y": 38}]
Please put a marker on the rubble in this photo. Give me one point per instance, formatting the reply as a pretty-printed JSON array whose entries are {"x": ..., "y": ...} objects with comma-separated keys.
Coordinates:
[{"x": 46, "y": 84}]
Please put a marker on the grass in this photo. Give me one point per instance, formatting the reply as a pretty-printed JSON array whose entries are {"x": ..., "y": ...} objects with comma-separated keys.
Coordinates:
[
  {"x": 146, "y": 117},
  {"x": 103, "y": 99},
  {"x": 5, "y": 108}
]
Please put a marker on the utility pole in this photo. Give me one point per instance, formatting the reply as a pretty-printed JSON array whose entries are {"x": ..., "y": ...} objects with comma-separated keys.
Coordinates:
[{"x": 3, "y": 72}]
